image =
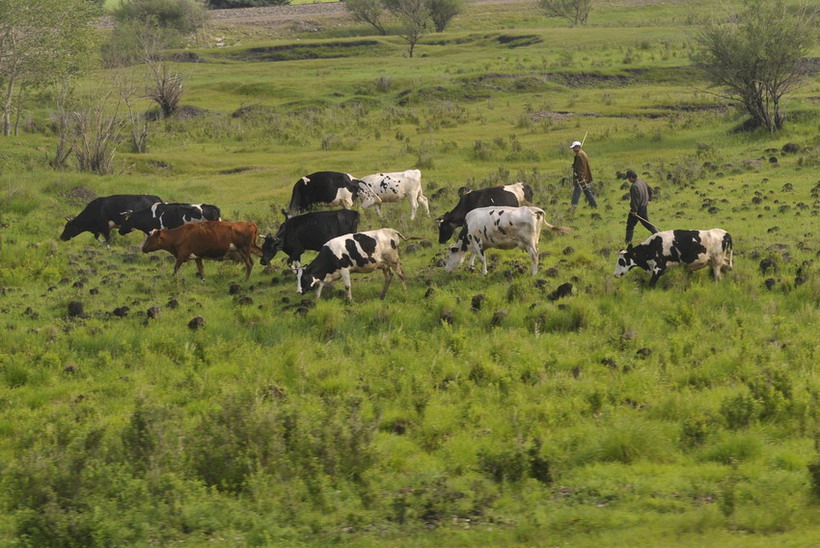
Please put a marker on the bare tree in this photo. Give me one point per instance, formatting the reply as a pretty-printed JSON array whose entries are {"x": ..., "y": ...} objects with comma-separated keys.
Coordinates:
[
  {"x": 756, "y": 56},
  {"x": 367, "y": 11},
  {"x": 92, "y": 129},
  {"x": 575, "y": 11},
  {"x": 166, "y": 90},
  {"x": 125, "y": 82},
  {"x": 414, "y": 16}
]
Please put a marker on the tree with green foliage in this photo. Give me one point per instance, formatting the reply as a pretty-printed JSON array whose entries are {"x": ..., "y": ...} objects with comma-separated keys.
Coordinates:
[
  {"x": 367, "y": 11},
  {"x": 443, "y": 11},
  {"x": 575, "y": 11},
  {"x": 41, "y": 43},
  {"x": 757, "y": 56},
  {"x": 414, "y": 16}
]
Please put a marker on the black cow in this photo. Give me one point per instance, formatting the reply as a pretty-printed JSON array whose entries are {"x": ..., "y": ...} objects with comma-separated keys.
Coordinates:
[
  {"x": 514, "y": 195},
  {"x": 694, "y": 249},
  {"x": 104, "y": 213},
  {"x": 159, "y": 216},
  {"x": 324, "y": 187},
  {"x": 309, "y": 231}
]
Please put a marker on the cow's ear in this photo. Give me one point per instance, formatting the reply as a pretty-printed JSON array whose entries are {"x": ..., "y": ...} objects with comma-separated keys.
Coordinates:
[
  {"x": 68, "y": 218},
  {"x": 440, "y": 220},
  {"x": 628, "y": 248}
]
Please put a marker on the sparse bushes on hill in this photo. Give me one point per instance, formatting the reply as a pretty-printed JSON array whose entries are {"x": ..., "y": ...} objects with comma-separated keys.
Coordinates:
[{"x": 229, "y": 4}]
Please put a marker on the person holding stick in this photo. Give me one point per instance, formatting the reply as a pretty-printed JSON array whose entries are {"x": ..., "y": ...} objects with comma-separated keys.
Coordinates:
[
  {"x": 640, "y": 196},
  {"x": 581, "y": 176}
]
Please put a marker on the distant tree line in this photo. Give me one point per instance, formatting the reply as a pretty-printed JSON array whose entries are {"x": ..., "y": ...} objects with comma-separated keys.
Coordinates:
[{"x": 230, "y": 4}]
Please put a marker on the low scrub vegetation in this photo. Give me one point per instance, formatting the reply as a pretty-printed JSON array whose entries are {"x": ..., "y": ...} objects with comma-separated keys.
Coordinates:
[{"x": 568, "y": 407}]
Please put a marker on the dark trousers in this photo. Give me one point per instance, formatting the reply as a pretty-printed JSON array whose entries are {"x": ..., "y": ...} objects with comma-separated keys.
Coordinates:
[
  {"x": 576, "y": 195},
  {"x": 632, "y": 220}
]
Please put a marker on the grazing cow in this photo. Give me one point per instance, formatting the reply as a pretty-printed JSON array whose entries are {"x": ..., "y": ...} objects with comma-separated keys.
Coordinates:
[
  {"x": 694, "y": 249},
  {"x": 514, "y": 195},
  {"x": 392, "y": 187},
  {"x": 104, "y": 213},
  {"x": 309, "y": 231},
  {"x": 160, "y": 216},
  {"x": 324, "y": 187},
  {"x": 501, "y": 228},
  {"x": 212, "y": 240},
  {"x": 359, "y": 252}
]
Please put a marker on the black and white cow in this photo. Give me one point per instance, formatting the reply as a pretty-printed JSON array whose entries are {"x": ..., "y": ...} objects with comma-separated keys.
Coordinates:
[
  {"x": 359, "y": 252},
  {"x": 694, "y": 249},
  {"x": 309, "y": 231},
  {"x": 160, "y": 216},
  {"x": 392, "y": 187},
  {"x": 501, "y": 228},
  {"x": 513, "y": 195},
  {"x": 324, "y": 187},
  {"x": 104, "y": 213}
]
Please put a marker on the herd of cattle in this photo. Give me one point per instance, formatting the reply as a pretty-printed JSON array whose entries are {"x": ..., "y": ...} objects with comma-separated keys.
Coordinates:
[{"x": 498, "y": 217}]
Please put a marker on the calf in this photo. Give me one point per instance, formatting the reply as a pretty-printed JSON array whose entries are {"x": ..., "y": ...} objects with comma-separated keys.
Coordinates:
[
  {"x": 392, "y": 187},
  {"x": 324, "y": 187},
  {"x": 309, "y": 231},
  {"x": 513, "y": 195},
  {"x": 694, "y": 249},
  {"x": 359, "y": 252},
  {"x": 104, "y": 213},
  {"x": 160, "y": 216},
  {"x": 501, "y": 228},
  {"x": 212, "y": 240}
]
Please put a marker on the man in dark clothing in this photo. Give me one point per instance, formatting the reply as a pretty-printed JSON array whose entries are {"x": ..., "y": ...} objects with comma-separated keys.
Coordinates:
[
  {"x": 581, "y": 177},
  {"x": 640, "y": 195}
]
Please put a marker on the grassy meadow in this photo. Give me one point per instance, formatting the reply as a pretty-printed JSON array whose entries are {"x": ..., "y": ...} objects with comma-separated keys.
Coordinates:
[{"x": 466, "y": 410}]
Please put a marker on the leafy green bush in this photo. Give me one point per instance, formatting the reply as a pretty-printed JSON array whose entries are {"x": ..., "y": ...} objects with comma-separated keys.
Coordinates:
[{"x": 183, "y": 16}]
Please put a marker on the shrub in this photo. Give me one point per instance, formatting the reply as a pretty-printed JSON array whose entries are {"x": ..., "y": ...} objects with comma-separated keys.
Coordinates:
[
  {"x": 182, "y": 16},
  {"x": 230, "y": 4}
]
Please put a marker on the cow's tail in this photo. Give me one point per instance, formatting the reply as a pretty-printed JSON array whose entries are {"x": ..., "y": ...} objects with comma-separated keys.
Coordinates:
[
  {"x": 558, "y": 229},
  {"x": 728, "y": 250},
  {"x": 405, "y": 238}
]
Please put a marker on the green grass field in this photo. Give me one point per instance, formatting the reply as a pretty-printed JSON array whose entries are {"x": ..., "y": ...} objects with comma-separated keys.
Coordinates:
[{"x": 466, "y": 410}]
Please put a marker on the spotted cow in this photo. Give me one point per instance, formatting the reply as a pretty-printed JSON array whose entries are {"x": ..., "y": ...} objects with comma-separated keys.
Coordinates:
[
  {"x": 391, "y": 187},
  {"x": 359, "y": 252},
  {"x": 104, "y": 213},
  {"x": 160, "y": 216},
  {"x": 323, "y": 187},
  {"x": 694, "y": 249},
  {"x": 501, "y": 228},
  {"x": 513, "y": 195}
]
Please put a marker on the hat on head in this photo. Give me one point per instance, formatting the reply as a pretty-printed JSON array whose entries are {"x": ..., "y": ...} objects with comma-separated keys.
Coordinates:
[
  {"x": 630, "y": 173},
  {"x": 575, "y": 144}
]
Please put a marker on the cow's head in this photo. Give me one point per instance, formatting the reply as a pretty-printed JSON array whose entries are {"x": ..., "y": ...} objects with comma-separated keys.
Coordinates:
[
  {"x": 305, "y": 281},
  {"x": 71, "y": 229},
  {"x": 153, "y": 242},
  {"x": 626, "y": 261},
  {"x": 125, "y": 223},
  {"x": 445, "y": 229},
  {"x": 455, "y": 256},
  {"x": 271, "y": 246}
]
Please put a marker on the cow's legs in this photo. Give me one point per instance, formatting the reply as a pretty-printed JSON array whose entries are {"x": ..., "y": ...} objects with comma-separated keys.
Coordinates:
[
  {"x": 319, "y": 290},
  {"x": 533, "y": 251},
  {"x": 423, "y": 201},
  {"x": 246, "y": 258},
  {"x": 400, "y": 272},
  {"x": 414, "y": 205},
  {"x": 716, "y": 267},
  {"x": 388, "y": 277},
  {"x": 345, "y": 274},
  {"x": 178, "y": 264},
  {"x": 200, "y": 271},
  {"x": 483, "y": 261},
  {"x": 378, "y": 209},
  {"x": 655, "y": 275}
]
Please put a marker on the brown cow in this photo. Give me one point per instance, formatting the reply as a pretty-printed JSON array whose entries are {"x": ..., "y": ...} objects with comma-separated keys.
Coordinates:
[{"x": 212, "y": 239}]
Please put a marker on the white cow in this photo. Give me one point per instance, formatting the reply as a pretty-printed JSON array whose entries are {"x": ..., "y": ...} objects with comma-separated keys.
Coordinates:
[
  {"x": 358, "y": 252},
  {"x": 501, "y": 228},
  {"x": 392, "y": 187}
]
